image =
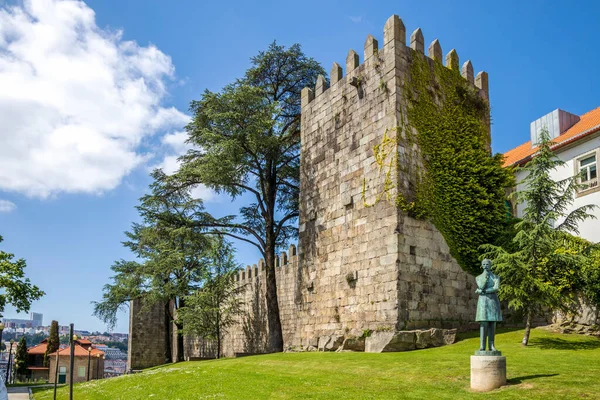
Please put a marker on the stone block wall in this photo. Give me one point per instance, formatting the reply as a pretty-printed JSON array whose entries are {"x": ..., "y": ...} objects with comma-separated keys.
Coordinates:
[
  {"x": 250, "y": 334},
  {"x": 372, "y": 266},
  {"x": 147, "y": 338},
  {"x": 362, "y": 264}
]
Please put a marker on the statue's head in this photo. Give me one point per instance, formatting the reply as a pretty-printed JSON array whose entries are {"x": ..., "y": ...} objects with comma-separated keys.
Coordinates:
[{"x": 486, "y": 264}]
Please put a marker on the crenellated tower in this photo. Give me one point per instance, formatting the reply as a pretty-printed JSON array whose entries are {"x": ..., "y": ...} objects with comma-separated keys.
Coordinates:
[{"x": 365, "y": 264}]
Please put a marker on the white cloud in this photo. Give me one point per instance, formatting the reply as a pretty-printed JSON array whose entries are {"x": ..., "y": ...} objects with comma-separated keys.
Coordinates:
[
  {"x": 7, "y": 206},
  {"x": 75, "y": 100},
  {"x": 355, "y": 19},
  {"x": 176, "y": 146}
]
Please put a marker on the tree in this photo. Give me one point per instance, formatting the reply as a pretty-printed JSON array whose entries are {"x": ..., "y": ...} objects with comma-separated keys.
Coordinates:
[
  {"x": 173, "y": 259},
  {"x": 21, "y": 359},
  {"x": 536, "y": 273},
  {"x": 53, "y": 342},
  {"x": 212, "y": 310},
  {"x": 16, "y": 289},
  {"x": 246, "y": 140}
]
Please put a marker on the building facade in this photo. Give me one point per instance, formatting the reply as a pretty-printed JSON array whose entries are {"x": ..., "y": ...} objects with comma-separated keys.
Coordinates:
[{"x": 576, "y": 142}]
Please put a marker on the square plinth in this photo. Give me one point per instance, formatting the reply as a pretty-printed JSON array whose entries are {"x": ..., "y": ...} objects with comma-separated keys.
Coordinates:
[{"x": 487, "y": 372}]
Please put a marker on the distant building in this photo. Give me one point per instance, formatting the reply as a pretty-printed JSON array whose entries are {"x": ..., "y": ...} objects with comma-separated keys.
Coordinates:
[
  {"x": 89, "y": 363},
  {"x": 35, "y": 320},
  {"x": 36, "y": 368}
]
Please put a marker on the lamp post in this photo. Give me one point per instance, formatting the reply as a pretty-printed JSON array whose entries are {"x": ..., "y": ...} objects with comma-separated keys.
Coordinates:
[
  {"x": 1, "y": 332},
  {"x": 9, "y": 360},
  {"x": 73, "y": 338},
  {"x": 98, "y": 366},
  {"x": 89, "y": 357}
]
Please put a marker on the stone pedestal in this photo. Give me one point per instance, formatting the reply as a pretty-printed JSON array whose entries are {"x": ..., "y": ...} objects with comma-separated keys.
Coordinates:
[{"x": 487, "y": 372}]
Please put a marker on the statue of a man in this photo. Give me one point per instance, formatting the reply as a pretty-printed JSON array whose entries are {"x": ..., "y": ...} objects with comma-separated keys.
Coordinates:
[{"x": 488, "y": 306}]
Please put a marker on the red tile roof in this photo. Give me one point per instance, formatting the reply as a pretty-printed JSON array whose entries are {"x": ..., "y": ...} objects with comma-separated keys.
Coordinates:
[
  {"x": 79, "y": 352},
  {"x": 38, "y": 349},
  {"x": 588, "y": 124}
]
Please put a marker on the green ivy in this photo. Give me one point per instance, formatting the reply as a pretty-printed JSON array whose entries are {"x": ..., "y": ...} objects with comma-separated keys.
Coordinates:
[{"x": 461, "y": 188}]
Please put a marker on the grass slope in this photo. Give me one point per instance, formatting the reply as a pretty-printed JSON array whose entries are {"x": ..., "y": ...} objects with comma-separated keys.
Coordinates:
[{"x": 553, "y": 367}]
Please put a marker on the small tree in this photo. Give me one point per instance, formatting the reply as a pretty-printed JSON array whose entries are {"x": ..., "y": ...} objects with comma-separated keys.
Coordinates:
[
  {"x": 21, "y": 361},
  {"x": 211, "y": 310},
  {"x": 535, "y": 276},
  {"x": 16, "y": 289},
  {"x": 53, "y": 342}
]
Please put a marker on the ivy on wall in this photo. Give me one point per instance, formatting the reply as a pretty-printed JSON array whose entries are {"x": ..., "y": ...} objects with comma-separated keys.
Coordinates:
[{"x": 460, "y": 186}]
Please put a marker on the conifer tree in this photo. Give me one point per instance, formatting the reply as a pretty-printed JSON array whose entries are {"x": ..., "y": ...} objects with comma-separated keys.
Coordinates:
[
  {"x": 535, "y": 272},
  {"x": 21, "y": 361},
  {"x": 53, "y": 342},
  {"x": 211, "y": 310},
  {"x": 246, "y": 140}
]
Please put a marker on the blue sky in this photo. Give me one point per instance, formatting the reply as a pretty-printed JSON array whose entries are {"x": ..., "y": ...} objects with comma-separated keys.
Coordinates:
[{"x": 82, "y": 124}]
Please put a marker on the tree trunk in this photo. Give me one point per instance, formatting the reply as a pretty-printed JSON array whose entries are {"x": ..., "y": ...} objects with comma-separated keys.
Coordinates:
[
  {"x": 168, "y": 337},
  {"x": 179, "y": 342},
  {"x": 527, "y": 328},
  {"x": 274, "y": 322}
]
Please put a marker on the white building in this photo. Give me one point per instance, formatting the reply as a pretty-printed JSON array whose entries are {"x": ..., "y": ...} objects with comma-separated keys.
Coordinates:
[{"x": 577, "y": 143}]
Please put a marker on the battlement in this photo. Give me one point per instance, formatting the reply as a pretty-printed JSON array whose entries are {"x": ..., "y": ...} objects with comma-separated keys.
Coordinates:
[
  {"x": 394, "y": 41},
  {"x": 282, "y": 263}
]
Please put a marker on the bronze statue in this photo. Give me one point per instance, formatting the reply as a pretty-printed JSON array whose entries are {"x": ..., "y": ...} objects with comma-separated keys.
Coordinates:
[{"x": 488, "y": 308}]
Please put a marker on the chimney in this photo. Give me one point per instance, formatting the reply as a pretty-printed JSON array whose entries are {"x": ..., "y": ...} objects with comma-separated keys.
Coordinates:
[{"x": 557, "y": 122}]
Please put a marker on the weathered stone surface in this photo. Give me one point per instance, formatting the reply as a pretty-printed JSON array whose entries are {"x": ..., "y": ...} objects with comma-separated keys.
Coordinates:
[
  {"x": 402, "y": 341},
  {"x": 487, "y": 372},
  {"x": 334, "y": 343},
  {"x": 377, "y": 341},
  {"x": 354, "y": 344}
]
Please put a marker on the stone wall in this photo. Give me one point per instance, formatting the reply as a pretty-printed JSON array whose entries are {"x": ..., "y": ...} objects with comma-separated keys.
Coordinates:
[
  {"x": 363, "y": 265},
  {"x": 147, "y": 338},
  {"x": 250, "y": 334},
  {"x": 371, "y": 265}
]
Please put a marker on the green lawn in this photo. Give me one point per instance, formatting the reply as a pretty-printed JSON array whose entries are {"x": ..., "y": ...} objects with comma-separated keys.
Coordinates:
[{"x": 553, "y": 367}]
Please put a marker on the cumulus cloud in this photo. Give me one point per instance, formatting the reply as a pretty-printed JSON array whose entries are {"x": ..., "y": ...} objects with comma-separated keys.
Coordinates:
[
  {"x": 76, "y": 100},
  {"x": 175, "y": 147},
  {"x": 7, "y": 206}
]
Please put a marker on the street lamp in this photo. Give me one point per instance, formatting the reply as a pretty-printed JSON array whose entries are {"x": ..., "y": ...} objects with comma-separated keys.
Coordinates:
[
  {"x": 1, "y": 332},
  {"x": 9, "y": 360},
  {"x": 89, "y": 357},
  {"x": 98, "y": 366}
]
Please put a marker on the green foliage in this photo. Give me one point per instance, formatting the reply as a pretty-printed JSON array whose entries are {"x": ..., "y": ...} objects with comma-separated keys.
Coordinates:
[
  {"x": 540, "y": 271},
  {"x": 590, "y": 278},
  {"x": 117, "y": 345},
  {"x": 16, "y": 290},
  {"x": 211, "y": 310},
  {"x": 21, "y": 359},
  {"x": 53, "y": 342},
  {"x": 170, "y": 248},
  {"x": 246, "y": 139},
  {"x": 461, "y": 188}
]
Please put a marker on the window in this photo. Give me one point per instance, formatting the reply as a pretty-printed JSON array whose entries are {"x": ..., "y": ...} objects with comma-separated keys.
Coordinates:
[
  {"x": 588, "y": 172},
  {"x": 81, "y": 372}
]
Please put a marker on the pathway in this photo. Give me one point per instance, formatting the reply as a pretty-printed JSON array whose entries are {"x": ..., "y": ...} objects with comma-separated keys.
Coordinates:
[{"x": 18, "y": 393}]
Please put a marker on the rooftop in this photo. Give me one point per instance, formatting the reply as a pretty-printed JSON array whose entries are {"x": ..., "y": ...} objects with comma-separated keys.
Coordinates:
[{"x": 588, "y": 124}]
